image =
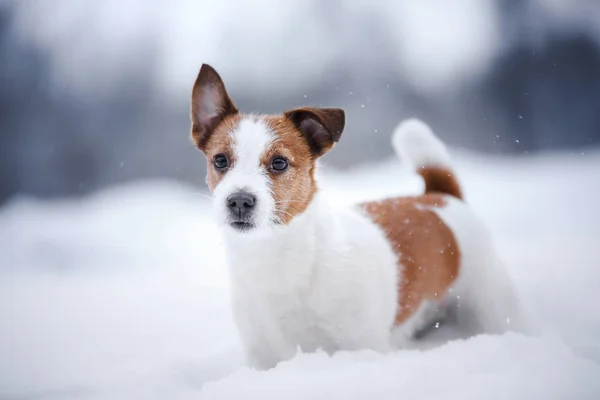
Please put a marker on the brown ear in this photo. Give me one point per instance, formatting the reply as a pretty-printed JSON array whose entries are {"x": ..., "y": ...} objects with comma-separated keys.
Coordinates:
[
  {"x": 320, "y": 126},
  {"x": 210, "y": 104}
]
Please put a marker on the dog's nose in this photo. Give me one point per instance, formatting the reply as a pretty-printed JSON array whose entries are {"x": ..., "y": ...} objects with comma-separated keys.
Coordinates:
[{"x": 241, "y": 203}]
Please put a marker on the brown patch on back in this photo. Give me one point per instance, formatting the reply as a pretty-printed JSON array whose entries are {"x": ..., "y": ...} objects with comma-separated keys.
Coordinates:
[
  {"x": 219, "y": 142},
  {"x": 294, "y": 188},
  {"x": 440, "y": 180},
  {"x": 426, "y": 248}
]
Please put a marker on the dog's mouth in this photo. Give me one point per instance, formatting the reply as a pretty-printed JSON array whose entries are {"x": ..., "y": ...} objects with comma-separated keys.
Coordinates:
[{"x": 241, "y": 226}]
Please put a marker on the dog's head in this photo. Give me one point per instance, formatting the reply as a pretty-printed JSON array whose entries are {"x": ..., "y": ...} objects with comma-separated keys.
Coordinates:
[{"x": 260, "y": 167}]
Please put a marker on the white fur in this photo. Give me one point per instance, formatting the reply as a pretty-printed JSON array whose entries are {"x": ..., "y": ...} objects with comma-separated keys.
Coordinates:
[
  {"x": 416, "y": 144},
  {"x": 328, "y": 280},
  {"x": 484, "y": 294}
]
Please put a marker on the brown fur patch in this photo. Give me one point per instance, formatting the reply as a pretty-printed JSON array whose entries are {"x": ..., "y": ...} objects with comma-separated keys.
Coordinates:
[
  {"x": 219, "y": 142},
  {"x": 294, "y": 188},
  {"x": 440, "y": 180},
  {"x": 427, "y": 250}
]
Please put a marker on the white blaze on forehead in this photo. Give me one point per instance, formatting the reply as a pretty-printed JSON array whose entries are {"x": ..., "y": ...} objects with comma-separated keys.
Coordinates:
[{"x": 251, "y": 139}]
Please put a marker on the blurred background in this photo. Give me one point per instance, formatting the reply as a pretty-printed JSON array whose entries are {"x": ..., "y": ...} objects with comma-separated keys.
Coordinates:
[
  {"x": 113, "y": 283},
  {"x": 96, "y": 92}
]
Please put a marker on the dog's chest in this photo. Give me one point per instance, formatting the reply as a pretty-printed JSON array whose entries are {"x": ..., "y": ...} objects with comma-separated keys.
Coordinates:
[
  {"x": 327, "y": 284},
  {"x": 282, "y": 309}
]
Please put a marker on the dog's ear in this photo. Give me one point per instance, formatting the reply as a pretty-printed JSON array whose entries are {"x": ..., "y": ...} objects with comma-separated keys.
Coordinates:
[
  {"x": 210, "y": 104},
  {"x": 321, "y": 127}
]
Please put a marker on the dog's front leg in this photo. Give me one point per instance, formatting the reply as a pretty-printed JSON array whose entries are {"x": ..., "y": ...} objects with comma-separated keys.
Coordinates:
[
  {"x": 265, "y": 349},
  {"x": 263, "y": 340}
]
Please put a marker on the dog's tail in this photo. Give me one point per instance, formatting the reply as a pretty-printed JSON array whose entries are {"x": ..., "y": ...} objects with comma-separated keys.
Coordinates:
[{"x": 416, "y": 144}]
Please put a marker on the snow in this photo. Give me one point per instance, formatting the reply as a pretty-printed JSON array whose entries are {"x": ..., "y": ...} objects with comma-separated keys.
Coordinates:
[
  {"x": 124, "y": 295},
  {"x": 510, "y": 367}
]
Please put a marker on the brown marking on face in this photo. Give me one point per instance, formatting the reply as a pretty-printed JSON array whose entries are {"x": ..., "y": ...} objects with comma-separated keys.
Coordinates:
[
  {"x": 294, "y": 188},
  {"x": 440, "y": 180},
  {"x": 220, "y": 141},
  {"x": 428, "y": 253}
]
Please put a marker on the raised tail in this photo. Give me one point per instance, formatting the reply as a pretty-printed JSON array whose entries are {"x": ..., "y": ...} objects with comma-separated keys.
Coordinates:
[{"x": 416, "y": 144}]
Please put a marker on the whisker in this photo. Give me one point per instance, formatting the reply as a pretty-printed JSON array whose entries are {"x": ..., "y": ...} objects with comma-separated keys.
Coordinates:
[
  {"x": 288, "y": 201},
  {"x": 201, "y": 194},
  {"x": 285, "y": 212}
]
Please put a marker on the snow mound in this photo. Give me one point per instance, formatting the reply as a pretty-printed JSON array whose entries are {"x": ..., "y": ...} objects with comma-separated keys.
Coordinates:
[{"x": 507, "y": 367}]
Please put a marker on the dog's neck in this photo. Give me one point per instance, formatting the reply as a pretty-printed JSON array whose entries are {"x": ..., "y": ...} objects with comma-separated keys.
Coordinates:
[{"x": 286, "y": 251}]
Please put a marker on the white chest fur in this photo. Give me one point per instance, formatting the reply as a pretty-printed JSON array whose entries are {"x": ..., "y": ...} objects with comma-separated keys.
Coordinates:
[{"x": 328, "y": 280}]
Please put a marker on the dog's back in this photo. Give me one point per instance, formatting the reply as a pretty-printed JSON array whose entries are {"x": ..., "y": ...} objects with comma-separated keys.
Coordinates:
[{"x": 443, "y": 250}]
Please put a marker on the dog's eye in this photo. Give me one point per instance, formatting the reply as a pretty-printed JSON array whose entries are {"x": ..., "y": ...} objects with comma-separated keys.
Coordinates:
[
  {"x": 279, "y": 164},
  {"x": 220, "y": 162}
]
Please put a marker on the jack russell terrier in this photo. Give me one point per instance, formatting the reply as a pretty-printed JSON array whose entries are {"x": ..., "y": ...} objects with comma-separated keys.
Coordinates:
[{"x": 309, "y": 275}]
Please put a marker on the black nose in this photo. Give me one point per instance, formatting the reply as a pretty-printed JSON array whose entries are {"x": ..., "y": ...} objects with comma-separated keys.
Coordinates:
[{"x": 241, "y": 203}]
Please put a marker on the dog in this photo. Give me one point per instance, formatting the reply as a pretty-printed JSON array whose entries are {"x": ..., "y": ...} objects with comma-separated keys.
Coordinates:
[{"x": 307, "y": 274}]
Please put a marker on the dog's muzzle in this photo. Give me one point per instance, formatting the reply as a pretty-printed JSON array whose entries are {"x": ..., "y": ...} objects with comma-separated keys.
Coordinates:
[{"x": 241, "y": 206}]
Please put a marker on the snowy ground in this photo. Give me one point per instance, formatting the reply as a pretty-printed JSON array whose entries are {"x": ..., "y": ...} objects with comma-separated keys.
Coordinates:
[{"x": 123, "y": 295}]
